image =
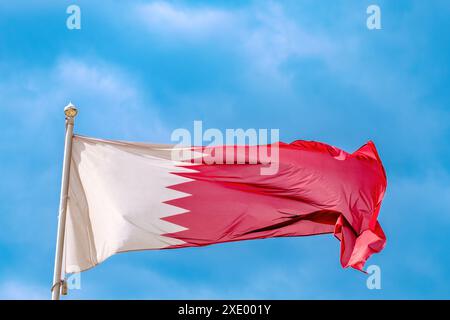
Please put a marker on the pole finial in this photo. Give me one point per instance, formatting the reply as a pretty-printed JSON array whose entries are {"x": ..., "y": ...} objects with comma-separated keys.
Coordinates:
[{"x": 70, "y": 111}]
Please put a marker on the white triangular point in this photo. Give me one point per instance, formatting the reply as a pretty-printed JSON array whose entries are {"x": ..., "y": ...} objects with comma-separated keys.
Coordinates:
[
  {"x": 170, "y": 166},
  {"x": 163, "y": 178},
  {"x": 168, "y": 179}
]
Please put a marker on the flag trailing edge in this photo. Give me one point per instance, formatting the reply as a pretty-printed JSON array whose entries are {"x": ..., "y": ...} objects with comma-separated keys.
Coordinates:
[{"x": 126, "y": 196}]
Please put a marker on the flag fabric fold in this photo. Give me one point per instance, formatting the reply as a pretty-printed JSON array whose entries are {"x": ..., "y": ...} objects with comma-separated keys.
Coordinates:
[{"x": 127, "y": 196}]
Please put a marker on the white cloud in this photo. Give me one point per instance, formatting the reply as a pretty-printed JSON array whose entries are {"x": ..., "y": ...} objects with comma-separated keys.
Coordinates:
[
  {"x": 163, "y": 17},
  {"x": 103, "y": 93},
  {"x": 17, "y": 290},
  {"x": 263, "y": 34},
  {"x": 272, "y": 37}
]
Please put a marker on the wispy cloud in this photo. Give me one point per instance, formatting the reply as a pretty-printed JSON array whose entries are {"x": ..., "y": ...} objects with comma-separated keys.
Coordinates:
[
  {"x": 183, "y": 21},
  {"x": 272, "y": 37},
  {"x": 262, "y": 33},
  {"x": 18, "y": 290},
  {"x": 102, "y": 92}
]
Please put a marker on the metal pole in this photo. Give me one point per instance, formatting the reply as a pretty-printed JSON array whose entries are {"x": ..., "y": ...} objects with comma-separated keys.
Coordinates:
[{"x": 70, "y": 111}]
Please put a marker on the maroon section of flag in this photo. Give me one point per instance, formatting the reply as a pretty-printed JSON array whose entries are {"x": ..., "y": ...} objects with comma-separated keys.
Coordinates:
[{"x": 316, "y": 189}]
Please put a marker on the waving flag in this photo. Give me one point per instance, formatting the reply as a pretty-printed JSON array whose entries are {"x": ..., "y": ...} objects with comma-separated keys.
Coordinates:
[{"x": 133, "y": 196}]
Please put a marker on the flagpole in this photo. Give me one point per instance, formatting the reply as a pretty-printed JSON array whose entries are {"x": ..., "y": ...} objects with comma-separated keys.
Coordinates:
[{"x": 71, "y": 112}]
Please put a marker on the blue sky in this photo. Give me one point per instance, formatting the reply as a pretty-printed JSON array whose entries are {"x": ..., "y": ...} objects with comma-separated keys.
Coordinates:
[{"x": 139, "y": 69}]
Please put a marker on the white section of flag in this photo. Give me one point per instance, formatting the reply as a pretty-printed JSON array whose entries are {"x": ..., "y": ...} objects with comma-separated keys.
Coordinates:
[{"x": 116, "y": 195}]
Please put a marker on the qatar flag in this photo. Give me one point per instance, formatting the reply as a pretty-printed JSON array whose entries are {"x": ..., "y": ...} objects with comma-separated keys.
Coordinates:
[{"x": 127, "y": 196}]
